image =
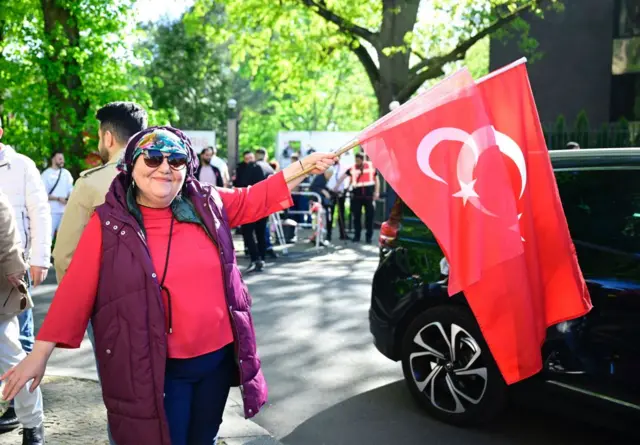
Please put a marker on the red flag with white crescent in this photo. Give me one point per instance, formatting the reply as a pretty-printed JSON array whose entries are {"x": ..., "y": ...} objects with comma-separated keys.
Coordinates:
[
  {"x": 438, "y": 153},
  {"x": 471, "y": 162}
]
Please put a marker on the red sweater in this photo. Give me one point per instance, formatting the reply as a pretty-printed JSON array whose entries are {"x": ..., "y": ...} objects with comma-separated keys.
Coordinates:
[{"x": 201, "y": 322}]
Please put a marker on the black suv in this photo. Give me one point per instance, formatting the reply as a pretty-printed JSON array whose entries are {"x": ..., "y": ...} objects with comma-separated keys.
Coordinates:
[{"x": 594, "y": 360}]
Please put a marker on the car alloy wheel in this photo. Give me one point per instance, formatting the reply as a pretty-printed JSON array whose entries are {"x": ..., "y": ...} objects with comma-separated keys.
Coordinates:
[{"x": 447, "y": 367}]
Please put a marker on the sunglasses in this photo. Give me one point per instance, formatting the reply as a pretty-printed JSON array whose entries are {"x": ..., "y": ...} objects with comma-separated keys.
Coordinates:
[{"x": 155, "y": 158}]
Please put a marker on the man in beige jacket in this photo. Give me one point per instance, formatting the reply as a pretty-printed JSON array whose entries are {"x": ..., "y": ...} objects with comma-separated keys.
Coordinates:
[
  {"x": 118, "y": 122},
  {"x": 16, "y": 299}
]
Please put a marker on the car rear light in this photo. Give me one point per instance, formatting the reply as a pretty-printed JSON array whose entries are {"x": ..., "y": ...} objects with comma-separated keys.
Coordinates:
[{"x": 388, "y": 233}]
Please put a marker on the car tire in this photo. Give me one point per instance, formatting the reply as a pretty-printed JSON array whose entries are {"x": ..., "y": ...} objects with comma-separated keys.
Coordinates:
[{"x": 466, "y": 391}]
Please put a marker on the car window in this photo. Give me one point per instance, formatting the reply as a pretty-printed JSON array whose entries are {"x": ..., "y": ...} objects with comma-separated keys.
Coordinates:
[
  {"x": 424, "y": 258},
  {"x": 603, "y": 207}
]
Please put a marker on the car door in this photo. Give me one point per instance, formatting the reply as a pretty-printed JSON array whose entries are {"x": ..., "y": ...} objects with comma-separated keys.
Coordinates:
[{"x": 602, "y": 207}]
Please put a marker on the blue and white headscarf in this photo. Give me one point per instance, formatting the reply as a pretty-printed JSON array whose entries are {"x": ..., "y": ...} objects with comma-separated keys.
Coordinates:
[{"x": 165, "y": 139}]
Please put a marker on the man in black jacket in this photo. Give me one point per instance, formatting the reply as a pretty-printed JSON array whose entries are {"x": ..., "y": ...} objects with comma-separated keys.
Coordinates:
[
  {"x": 253, "y": 173},
  {"x": 240, "y": 179}
]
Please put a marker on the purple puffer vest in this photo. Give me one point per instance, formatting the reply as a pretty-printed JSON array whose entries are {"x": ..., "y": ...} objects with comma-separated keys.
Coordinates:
[{"x": 129, "y": 322}]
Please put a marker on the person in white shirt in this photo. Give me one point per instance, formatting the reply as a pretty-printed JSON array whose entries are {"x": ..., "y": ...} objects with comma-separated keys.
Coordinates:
[
  {"x": 339, "y": 196},
  {"x": 206, "y": 171},
  {"x": 58, "y": 183},
  {"x": 218, "y": 163},
  {"x": 20, "y": 182}
]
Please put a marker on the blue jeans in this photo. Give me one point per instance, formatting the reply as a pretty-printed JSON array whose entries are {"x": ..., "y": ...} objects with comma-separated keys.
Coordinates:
[
  {"x": 27, "y": 337},
  {"x": 267, "y": 236},
  {"x": 196, "y": 391},
  {"x": 92, "y": 339}
]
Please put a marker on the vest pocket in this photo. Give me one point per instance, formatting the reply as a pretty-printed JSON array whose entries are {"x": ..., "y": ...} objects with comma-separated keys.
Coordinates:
[{"x": 114, "y": 361}]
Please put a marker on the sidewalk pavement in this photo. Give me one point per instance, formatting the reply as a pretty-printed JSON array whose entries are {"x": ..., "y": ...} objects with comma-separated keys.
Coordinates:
[{"x": 75, "y": 415}]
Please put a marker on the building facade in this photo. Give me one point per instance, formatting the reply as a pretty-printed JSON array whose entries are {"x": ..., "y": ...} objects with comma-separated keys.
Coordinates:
[{"x": 590, "y": 61}]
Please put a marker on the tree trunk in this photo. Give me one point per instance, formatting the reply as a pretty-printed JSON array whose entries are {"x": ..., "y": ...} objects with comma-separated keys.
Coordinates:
[
  {"x": 398, "y": 18},
  {"x": 68, "y": 105}
]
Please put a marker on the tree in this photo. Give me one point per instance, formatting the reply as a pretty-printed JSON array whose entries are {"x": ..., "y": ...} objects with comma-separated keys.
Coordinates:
[
  {"x": 313, "y": 90},
  {"x": 622, "y": 135},
  {"x": 61, "y": 60},
  {"x": 331, "y": 99},
  {"x": 581, "y": 130},
  {"x": 61, "y": 66},
  {"x": 189, "y": 76},
  {"x": 603, "y": 139},
  {"x": 396, "y": 44},
  {"x": 560, "y": 137}
]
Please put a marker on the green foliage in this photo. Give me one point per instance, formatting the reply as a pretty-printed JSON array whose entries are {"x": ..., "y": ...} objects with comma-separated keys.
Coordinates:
[
  {"x": 188, "y": 76},
  {"x": 277, "y": 44},
  {"x": 294, "y": 81},
  {"x": 477, "y": 59},
  {"x": 622, "y": 137},
  {"x": 559, "y": 136},
  {"x": 603, "y": 138},
  {"x": 581, "y": 130},
  {"x": 37, "y": 60},
  {"x": 289, "y": 65}
]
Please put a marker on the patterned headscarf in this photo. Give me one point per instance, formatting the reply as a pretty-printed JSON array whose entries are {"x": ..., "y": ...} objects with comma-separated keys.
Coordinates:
[{"x": 165, "y": 139}]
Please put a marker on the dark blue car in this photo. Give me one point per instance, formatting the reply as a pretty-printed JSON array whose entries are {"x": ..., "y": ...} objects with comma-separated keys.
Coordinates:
[{"x": 592, "y": 362}]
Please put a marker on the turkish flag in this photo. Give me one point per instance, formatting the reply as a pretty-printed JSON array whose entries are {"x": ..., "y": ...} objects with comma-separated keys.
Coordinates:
[
  {"x": 470, "y": 160},
  {"x": 438, "y": 153},
  {"x": 548, "y": 287}
]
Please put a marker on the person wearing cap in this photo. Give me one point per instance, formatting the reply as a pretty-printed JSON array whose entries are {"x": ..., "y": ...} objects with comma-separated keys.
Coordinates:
[{"x": 156, "y": 272}]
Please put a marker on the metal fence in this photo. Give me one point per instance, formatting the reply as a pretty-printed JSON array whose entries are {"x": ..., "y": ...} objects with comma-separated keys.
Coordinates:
[
  {"x": 618, "y": 135},
  {"x": 319, "y": 221}
]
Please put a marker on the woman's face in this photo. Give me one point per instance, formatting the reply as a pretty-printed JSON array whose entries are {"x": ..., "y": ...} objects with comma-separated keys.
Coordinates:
[{"x": 157, "y": 186}]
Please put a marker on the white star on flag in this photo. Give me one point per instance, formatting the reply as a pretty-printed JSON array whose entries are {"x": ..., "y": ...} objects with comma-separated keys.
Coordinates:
[
  {"x": 466, "y": 191},
  {"x": 516, "y": 227}
]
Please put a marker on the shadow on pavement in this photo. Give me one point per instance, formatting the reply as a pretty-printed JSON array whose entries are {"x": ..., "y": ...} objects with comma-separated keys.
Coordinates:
[
  {"x": 74, "y": 414},
  {"x": 73, "y": 362},
  {"x": 366, "y": 419}
]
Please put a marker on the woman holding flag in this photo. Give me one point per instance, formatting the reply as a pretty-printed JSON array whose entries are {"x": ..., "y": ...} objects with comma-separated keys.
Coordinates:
[{"x": 155, "y": 271}]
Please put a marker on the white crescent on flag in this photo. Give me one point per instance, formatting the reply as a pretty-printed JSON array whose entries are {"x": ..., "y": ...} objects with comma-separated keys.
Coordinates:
[{"x": 473, "y": 146}]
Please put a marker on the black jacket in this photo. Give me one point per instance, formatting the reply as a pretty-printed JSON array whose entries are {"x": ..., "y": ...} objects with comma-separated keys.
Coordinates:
[
  {"x": 319, "y": 184},
  {"x": 254, "y": 173}
]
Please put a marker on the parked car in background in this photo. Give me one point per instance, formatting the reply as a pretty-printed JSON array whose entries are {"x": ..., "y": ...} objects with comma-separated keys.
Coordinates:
[{"x": 593, "y": 361}]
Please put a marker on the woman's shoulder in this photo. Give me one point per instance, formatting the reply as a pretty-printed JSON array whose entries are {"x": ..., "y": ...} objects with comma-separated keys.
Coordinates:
[{"x": 204, "y": 190}]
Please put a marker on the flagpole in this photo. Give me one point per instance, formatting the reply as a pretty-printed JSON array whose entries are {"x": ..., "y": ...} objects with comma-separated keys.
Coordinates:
[{"x": 349, "y": 146}]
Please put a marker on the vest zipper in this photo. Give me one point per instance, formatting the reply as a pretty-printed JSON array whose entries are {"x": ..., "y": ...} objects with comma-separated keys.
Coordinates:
[{"x": 236, "y": 347}]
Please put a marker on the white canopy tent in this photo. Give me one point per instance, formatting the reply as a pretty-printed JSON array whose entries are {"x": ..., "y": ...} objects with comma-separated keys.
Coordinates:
[
  {"x": 322, "y": 141},
  {"x": 201, "y": 139}
]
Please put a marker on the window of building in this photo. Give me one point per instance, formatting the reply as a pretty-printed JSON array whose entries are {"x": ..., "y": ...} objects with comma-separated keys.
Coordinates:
[
  {"x": 626, "y": 42},
  {"x": 627, "y": 19}
]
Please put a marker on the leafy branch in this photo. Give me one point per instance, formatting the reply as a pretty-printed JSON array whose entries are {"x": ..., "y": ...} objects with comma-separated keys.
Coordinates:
[
  {"x": 320, "y": 8},
  {"x": 433, "y": 67}
]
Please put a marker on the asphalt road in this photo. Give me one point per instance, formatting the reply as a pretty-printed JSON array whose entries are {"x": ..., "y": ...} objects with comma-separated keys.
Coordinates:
[{"x": 329, "y": 386}]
